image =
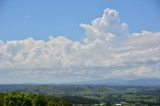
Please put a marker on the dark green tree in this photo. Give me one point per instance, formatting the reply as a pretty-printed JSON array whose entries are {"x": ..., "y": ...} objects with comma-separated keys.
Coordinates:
[
  {"x": 17, "y": 99},
  {"x": 53, "y": 103},
  {"x": 39, "y": 100},
  {"x": 66, "y": 102},
  {"x": 2, "y": 99}
]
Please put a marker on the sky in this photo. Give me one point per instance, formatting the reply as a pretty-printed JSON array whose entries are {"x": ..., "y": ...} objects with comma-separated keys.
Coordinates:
[
  {"x": 55, "y": 41},
  {"x": 39, "y": 19}
]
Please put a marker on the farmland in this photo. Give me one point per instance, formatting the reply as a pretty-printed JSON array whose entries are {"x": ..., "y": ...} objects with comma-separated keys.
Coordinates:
[{"x": 93, "y": 94}]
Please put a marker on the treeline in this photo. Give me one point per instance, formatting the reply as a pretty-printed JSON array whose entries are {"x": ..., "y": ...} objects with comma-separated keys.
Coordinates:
[
  {"x": 81, "y": 100},
  {"x": 26, "y": 99},
  {"x": 29, "y": 99}
]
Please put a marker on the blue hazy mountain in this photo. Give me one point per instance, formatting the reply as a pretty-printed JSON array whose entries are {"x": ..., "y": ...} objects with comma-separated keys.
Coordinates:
[
  {"x": 122, "y": 82},
  {"x": 102, "y": 82},
  {"x": 144, "y": 82}
]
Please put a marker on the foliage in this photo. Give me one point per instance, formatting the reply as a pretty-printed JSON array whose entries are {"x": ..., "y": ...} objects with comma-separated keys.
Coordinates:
[
  {"x": 78, "y": 95},
  {"x": 39, "y": 100},
  {"x": 26, "y": 99},
  {"x": 17, "y": 99},
  {"x": 81, "y": 100},
  {"x": 2, "y": 99}
]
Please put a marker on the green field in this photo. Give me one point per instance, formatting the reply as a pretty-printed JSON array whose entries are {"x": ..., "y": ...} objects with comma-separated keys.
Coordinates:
[{"x": 92, "y": 95}]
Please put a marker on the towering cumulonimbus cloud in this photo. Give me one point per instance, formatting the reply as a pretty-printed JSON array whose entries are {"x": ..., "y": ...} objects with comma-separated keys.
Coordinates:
[{"x": 107, "y": 51}]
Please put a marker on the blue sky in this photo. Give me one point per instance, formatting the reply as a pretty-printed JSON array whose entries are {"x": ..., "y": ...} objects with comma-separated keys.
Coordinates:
[
  {"x": 56, "y": 41},
  {"x": 39, "y": 19}
]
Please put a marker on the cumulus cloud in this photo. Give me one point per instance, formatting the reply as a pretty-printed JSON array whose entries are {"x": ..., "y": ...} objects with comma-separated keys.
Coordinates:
[
  {"x": 107, "y": 51},
  {"x": 105, "y": 27}
]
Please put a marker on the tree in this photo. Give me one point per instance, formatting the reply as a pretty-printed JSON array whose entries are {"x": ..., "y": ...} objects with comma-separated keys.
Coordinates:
[
  {"x": 1, "y": 99},
  {"x": 39, "y": 100},
  {"x": 25, "y": 99},
  {"x": 53, "y": 103},
  {"x": 66, "y": 102},
  {"x": 17, "y": 99}
]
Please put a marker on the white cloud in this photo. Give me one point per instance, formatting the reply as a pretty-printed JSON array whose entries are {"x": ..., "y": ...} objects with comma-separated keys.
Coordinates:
[
  {"x": 106, "y": 27},
  {"x": 107, "y": 51}
]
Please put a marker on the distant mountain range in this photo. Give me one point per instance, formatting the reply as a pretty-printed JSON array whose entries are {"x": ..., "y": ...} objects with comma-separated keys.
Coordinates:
[
  {"x": 146, "y": 82},
  {"x": 121, "y": 82}
]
